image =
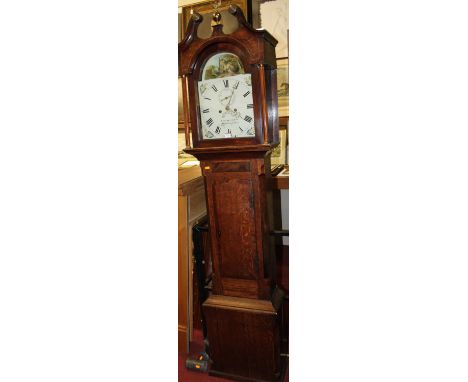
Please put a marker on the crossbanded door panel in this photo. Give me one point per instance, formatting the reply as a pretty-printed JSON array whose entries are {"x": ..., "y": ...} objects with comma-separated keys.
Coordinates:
[
  {"x": 236, "y": 235},
  {"x": 234, "y": 203}
]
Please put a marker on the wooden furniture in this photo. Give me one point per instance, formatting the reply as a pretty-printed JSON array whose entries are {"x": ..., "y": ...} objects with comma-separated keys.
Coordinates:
[
  {"x": 281, "y": 182},
  {"x": 190, "y": 185},
  {"x": 192, "y": 208},
  {"x": 243, "y": 314}
]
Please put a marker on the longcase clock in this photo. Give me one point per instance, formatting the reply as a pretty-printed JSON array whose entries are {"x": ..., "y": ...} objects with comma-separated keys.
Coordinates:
[{"x": 231, "y": 126}]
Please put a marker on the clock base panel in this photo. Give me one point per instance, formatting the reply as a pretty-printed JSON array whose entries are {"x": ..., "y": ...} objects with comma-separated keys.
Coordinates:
[{"x": 244, "y": 338}]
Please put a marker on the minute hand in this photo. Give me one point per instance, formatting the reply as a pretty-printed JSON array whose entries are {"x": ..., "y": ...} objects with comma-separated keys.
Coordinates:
[{"x": 230, "y": 99}]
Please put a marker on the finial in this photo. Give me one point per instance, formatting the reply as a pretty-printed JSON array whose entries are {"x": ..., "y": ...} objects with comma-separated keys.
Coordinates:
[
  {"x": 216, "y": 14},
  {"x": 217, "y": 17}
]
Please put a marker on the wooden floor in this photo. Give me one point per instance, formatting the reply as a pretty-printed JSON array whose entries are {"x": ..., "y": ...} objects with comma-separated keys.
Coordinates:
[{"x": 196, "y": 346}]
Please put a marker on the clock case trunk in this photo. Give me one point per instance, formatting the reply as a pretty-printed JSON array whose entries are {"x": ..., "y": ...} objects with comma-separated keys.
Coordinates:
[
  {"x": 243, "y": 314},
  {"x": 239, "y": 201}
]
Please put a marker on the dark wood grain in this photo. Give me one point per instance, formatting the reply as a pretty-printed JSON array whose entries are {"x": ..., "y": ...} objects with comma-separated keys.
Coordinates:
[
  {"x": 264, "y": 106},
  {"x": 281, "y": 182},
  {"x": 237, "y": 242},
  {"x": 232, "y": 167},
  {"x": 248, "y": 331},
  {"x": 256, "y": 51},
  {"x": 239, "y": 218},
  {"x": 243, "y": 314},
  {"x": 186, "y": 113}
]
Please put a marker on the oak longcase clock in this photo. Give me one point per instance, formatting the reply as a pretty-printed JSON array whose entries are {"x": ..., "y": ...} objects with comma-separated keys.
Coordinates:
[{"x": 231, "y": 126}]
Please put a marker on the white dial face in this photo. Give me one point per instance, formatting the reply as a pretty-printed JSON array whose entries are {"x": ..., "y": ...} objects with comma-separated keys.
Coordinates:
[{"x": 226, "y": 107}]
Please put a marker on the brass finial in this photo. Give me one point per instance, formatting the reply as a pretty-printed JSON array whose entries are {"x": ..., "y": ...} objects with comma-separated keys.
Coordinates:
[
  {"x": 217, "y": 17},
  {"x": 216, "y": 14}
]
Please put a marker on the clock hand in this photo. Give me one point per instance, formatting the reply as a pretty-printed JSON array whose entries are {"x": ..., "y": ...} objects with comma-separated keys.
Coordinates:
[{"x": 230, "y": 99}]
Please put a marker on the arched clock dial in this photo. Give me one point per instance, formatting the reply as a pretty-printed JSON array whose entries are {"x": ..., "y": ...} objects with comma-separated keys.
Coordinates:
[{"x": 226, "y": 107}]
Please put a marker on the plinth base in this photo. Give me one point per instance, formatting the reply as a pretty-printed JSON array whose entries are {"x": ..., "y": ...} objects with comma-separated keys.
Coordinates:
[{"x": 244, "y": 337}]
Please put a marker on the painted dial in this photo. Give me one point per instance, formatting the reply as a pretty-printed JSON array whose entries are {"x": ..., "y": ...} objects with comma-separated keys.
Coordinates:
[{"x": 226, "y": 107}]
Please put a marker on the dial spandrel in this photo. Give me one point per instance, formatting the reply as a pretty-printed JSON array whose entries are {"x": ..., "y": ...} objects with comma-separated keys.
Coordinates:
[{"x": 226, "y": 107}]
